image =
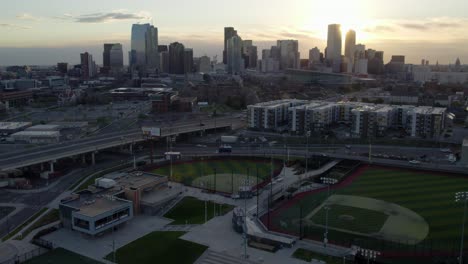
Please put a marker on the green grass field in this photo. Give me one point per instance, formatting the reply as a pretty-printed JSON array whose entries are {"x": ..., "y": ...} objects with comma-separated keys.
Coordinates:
[
  {"x": 308, "y": 256},
  {"x": 230, "y": 174},
  {"x": 351, "y": 218},
  {"x": 190, "y": 210},
  {"x": 159, "y": 247},
  {"x": 60, "y": 256},
  {"x": 430, "y": 195}
]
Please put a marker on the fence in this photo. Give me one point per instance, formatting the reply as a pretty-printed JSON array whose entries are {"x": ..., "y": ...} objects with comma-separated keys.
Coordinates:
[{"x": 26, "y": 256}]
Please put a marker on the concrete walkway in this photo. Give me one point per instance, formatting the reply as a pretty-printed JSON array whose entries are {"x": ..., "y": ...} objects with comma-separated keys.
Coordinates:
[{"x": 18, "y": 207}]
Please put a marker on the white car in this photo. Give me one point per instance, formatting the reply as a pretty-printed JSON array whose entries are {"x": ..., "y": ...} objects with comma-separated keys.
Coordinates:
[
  {"x": 414, "y": 162},
  {"x": 201, "y": 146},
  {"x": 445, "y": 150}
]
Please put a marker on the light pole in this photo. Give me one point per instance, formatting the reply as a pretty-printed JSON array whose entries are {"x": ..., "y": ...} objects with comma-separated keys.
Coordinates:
[
  {"x": 307, "y": 153},
  {"x": 328, "y": 182},
  {"x": 462, "y": 197},
  {"x": 369, "y": 254}
]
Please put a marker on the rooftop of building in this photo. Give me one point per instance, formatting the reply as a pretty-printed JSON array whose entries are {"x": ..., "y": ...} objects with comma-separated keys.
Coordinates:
[
  {"x": 134, "y": 180},
  {"x": 14, "y": 125},
  {"x": 277, "y": 103},
  {"x": 48, "y": 127},
  {"x": 38, "y": 133},
  {"x": 90, "y": 204}
]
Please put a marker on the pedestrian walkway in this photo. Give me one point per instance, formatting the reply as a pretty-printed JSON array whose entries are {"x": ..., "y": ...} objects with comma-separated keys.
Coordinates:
[
  {"x": 184, "y": 228},
  {"x": 213, "y": 257}
]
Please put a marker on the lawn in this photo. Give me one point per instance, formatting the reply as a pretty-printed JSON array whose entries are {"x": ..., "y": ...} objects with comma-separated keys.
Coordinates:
[
  {"x": 308, "y": 256},
  {"x": 351, "y": 218},
  {"x": 227, "y": 173},
  {"x": 190, "y": 210},
  {"x": 60, "y": 256},
  {"x": 430, "y": 195},
  {"x": 159, "y": 247}
]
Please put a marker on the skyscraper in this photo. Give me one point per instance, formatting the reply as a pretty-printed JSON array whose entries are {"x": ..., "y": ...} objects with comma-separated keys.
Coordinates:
[
  {"x": 333, "y": 51},
  {"x": 112, "y": 57},
  {"x": 289, "y": 54},
  {"x": 88, "y": 66},
  {"x": 144, "y": 46},
  {"x": 188, "y": 60},
  {"x": 314, "y": 56},
  {"x": 249, "y": 54},
  {"x": 350, "y": 44},
  {"x": 205, "y": 64},
  {"x": 176, "y": 58},
  {"x": 235, "y": 62},
  {"x": 229, "y": 32},
  {"x": 116, "y": 57},
  {"x": 152, "y": 54}
]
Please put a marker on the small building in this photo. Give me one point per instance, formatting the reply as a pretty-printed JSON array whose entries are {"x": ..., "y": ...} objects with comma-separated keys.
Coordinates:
[
  {"x": 49, "y": 127},
  {"x": 13, "y": 127},
  {"x": 37, "y": 137},
  {"x": 92, "y": 213},
  {"x": 464, "y": 153}
]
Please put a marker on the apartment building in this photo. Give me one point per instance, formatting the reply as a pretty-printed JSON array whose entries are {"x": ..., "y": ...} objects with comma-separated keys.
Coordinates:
[{"x": 271, "y": 116}]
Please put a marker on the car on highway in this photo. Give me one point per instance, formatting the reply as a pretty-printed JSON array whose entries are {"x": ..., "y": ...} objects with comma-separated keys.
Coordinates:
[
  {"x": 201, "y": 146},
  {"x": 348, "y": 146},
  {"x": 445, "y": 150},
  {"x": 414, "y": 162}
]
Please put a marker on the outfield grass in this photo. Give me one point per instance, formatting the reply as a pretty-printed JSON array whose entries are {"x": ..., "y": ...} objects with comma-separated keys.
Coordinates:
[
  {"x": 159, "y": 247},
  {"x": 308, "y": 256},
  {"x": 187, "y": 173},
  {"x": 61, "y": 256},
  {"x": 190, "y": 210},
  {"x": 431, "y": 195},
  {"x": 351, "y": 218}
]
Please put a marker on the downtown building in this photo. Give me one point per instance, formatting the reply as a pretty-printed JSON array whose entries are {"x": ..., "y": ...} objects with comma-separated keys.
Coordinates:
[
  {"x": 235, "y": 60},
  {"x": 144, "y": 54},
  {"x": 333, "y": 50},
  {"x": 112, "y": 58},
  {"x": 289, "y": 56},
  {"x": 88, "y": 66}
]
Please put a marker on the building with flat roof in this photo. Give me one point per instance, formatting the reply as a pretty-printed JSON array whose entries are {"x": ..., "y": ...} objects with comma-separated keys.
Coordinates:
[
  {"x": 94, "y": 213},
  {"x": 37, "y": 137},
  {"x": 48, "y": 127},
  {"x": 271, "y": 115},
  {"x": 114, "y": 199},
  {"x": 13, "y": 127}
]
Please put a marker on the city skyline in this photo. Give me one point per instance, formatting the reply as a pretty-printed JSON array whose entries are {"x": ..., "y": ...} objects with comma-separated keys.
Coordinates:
[{"x": 434, "y": 32}]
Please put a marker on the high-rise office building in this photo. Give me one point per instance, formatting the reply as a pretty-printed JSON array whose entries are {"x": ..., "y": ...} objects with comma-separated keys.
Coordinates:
[
  {"x": 176, "y": 58},
  {"x": 88, "y": 66},
  {"x": 162, "y": 48},
  {"x": 334, "y": 43},
  {"x": 314, "y": 56},
  {"x": 112, "y": 57},
  {"x": 144, "y": 46},
  {"x": 205, "y": 64},
  {"x": 164, "y": 61},
  {"x": 249, "y": 54},
  {"x": 62, "y": 67},
  {"x": 229, "y": 32},
  {"x": 235, "y": 62},
  {"x": 188, "y": 60},
  {"x": 350, "y": 43},
  {"x": 289, "y": 54}
]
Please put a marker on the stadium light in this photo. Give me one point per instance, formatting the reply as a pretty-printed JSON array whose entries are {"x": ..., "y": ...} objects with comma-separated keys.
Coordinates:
[
  {"x": 328, "y": 182},
  {"x": 369, "y": 254},
  {"x": 462, "y": 197},
  {"x": 307, "y": 153}
]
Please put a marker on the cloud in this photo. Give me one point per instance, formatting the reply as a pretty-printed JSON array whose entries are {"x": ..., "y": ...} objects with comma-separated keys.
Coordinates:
[
  {"x": 379, "y": 29},
  {"x": 431, "y": 25},
  {"x": 13, "y": 26},
  {"x": 26, "y": 16},
  {"x": 105, "y": 17}
]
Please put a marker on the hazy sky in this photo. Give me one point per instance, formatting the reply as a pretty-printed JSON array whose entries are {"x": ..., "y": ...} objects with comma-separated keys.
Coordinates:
[{"x": 48, "y": 31}]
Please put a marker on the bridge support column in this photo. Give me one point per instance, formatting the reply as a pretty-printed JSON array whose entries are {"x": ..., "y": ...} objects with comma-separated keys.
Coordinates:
[
  {"x": 42, "y": 167},
  {"x": 131, "y": 148},
  {"x": 93, "y": 158},
  {"x": 83, "y": 159},
  {"x": 51, "y": 166}
]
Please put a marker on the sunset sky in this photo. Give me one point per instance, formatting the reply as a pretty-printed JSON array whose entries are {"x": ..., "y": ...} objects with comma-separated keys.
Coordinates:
[{"x": 47, "y": 31}]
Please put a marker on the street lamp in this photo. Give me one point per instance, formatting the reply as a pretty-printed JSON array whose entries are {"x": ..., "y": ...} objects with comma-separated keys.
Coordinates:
[
  {"x": 462, "y": 197},
  {"x": 369, "y": 254},
  {"x": 328, "y": 182},
  {"x": 307, "y": 153}
]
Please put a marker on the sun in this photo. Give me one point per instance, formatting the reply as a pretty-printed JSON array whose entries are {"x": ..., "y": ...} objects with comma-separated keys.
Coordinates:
[{"x": 349, "y": 14}]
